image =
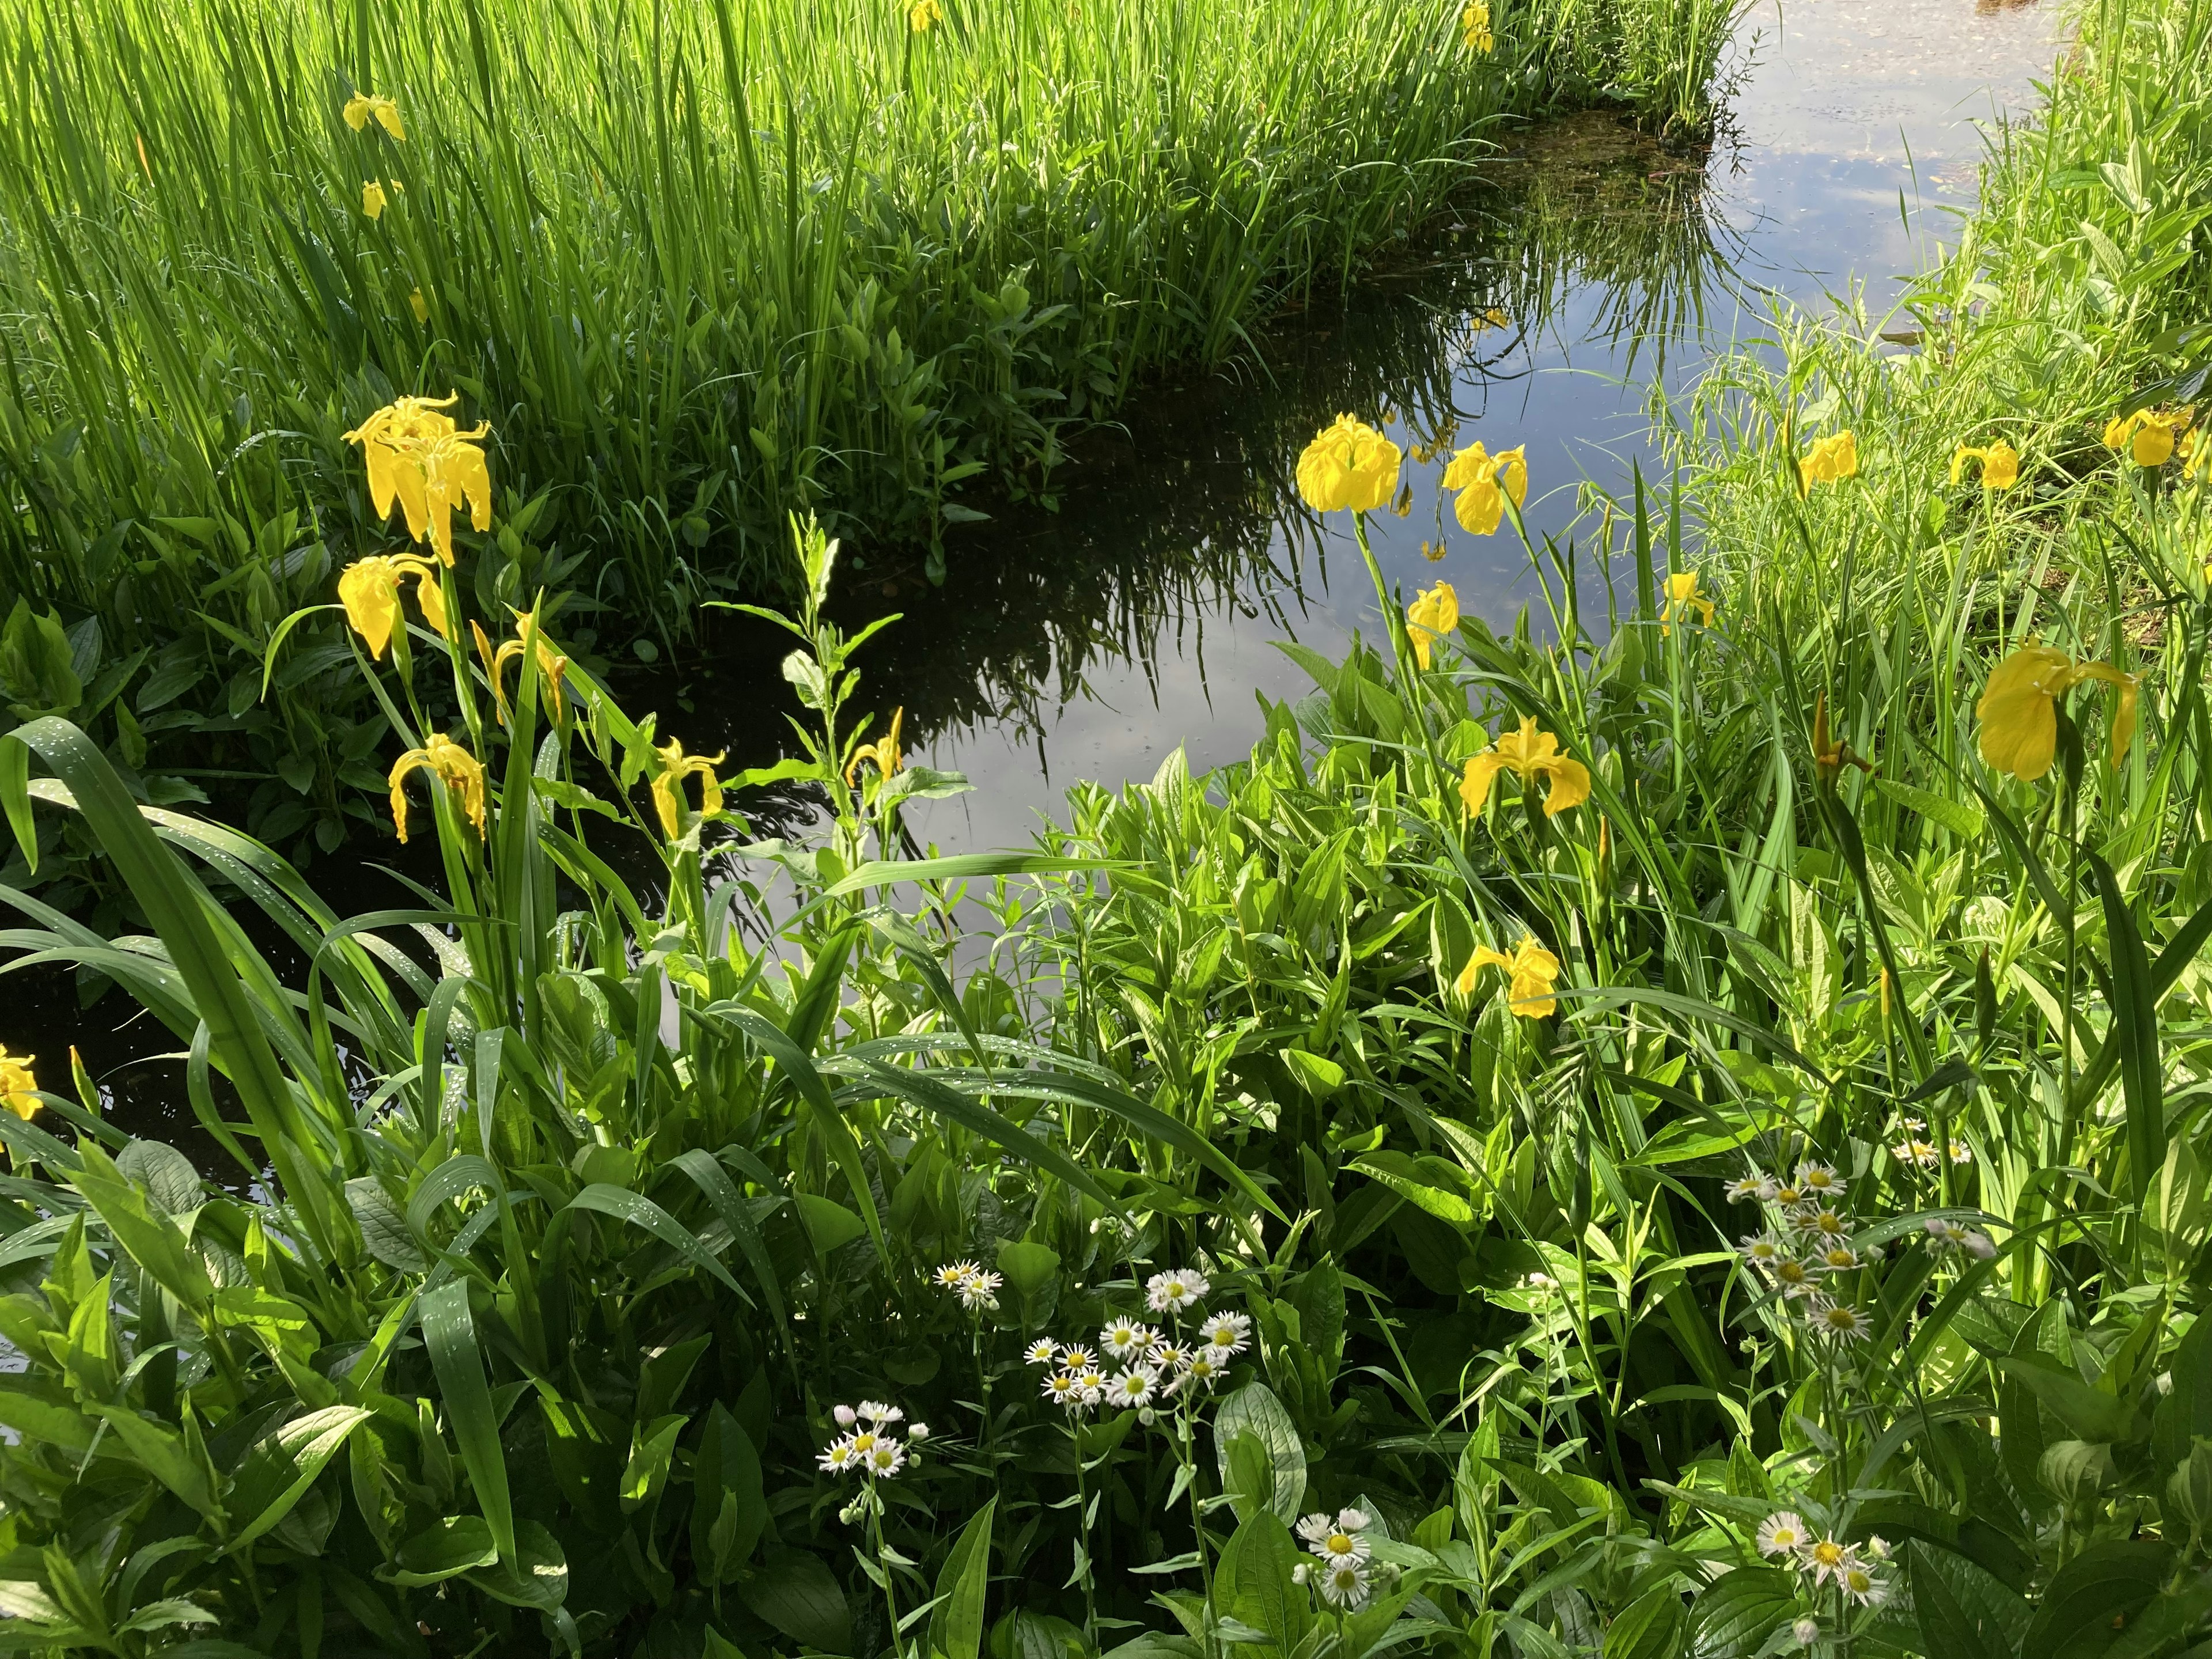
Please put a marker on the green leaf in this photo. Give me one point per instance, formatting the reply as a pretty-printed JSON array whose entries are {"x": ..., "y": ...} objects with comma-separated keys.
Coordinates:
[
  {"x": 1964, "y": 1612},
  {"x": 955, "y": 1627},
  {"x": 639, "y": 1211},
  {"x": 277, "y": 1473},
  {"x": 1255, "y": 1410},
  {"x": 537, "y": 1577},
  {"x": 383, "y": 1227},
  {"x": 453, "y": 1546},
  {"x": 795, "y": 1592},
  {"x": 1960, "y": 819},
  {"x": 2105, "y": 1584},
  {"x": 729, "y": 1508},
  {"x": 1253, "y": 1581},
  {"x": 147, "y": 1234},
  {"x": 1735, "y": 1614},
  {"x": 1028, "y": 1267},
  {"x": 449, "y": 1333},
  {"x": 2135, "y": 1029}
]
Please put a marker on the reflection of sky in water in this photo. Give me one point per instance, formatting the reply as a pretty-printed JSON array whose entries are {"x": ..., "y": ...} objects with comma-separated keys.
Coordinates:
[{"x": 1858, "y": 131}]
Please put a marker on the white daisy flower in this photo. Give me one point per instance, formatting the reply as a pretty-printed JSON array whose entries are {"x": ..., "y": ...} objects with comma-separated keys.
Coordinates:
[
  {"x": 1076, "y": 1357},
  {"x": 953, "y": 1275},
  {"x": 1826, "y": 1558},
  {"x": 1979, "y": 1244},
  {"x": 1344, "y": 1584},
  {"x": 1837, "y": 1320},
  {"x": 1173, "y": 1291},
  {"x": 1204, "y": 1371},
  {"x": 979, "y": 1290},
  {"x": 1353, "y": 1520},
  {"x": 1920, "y": 1152},
  {"x": 1125, "y": 1339},
  {"x": 1043, "y": 1352},
  {"x": 1862, "y": 1586},
  {"x": 1961, "y": 1153},
  {"x": 1794, "y": 1278},
  {"x": 1825, "y": 1222},
  {"x": 1062, "y": 1389},
  {"x": 1752, "y": 1189},
  {"x": 1169, "y": 1358},
  {"x": 1838, "y": 1258},
  {"x": 880, "y": 1414},
  {"x": 1225, "y": 1334},
  {"x": 1820, "y": 1180},
  {"x": 1786, "y": 1193},
  {"x": 885, "y": 1461},
  {"x": 1943, "y": 1234},
  {"x": 838, "y": 1456},
  {"x": 1093, "y": 1384},
  {"x": 1133, "y": 1387},
  {"x": 1333, "y": 1541},
  {"x": 1782, "y": 1533},
  {"x": 1760, "y": 1249}
]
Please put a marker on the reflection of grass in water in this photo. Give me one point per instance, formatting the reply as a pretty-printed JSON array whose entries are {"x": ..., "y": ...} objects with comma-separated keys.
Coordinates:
[{"x": 1188, "y": 512}]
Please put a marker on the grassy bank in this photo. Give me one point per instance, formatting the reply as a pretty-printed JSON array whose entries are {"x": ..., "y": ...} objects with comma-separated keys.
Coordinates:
[
  {"x": 696, "y": 267},
  {"x": 1684, "y": 1136}
]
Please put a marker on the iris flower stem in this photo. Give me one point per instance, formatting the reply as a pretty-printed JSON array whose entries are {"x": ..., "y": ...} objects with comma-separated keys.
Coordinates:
[{"x": 1393, "y": 619}]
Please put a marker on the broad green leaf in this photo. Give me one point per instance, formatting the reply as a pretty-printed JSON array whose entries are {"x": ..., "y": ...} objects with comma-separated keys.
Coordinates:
[
  {"x": 449, "y": 1333},
  {"x": 955, "y": 1627},
  {"x": 1255, "y": 1410}
]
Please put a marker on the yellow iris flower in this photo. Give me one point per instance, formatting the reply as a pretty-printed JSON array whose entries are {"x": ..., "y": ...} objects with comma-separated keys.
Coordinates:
[
  {"x": 883, "y": 752},
  {"x": 364, "y": 107},
  {"x": 372, "y": 198},
  {"x": 419, "y": 306},
  {"x": 453, "y": 766},
  {"x": 1349, "y": 464},
  {"x": 416, "y": 457},
  {"x": 667, "y": 784},
  {"x": 370, "y": 589},
  {"x": 2000, "y": 464},
  {"x": 1682, "y": 598},
  {"x": 1830, "y": 460},
  {"x": 1528, "y": 754},
  {"x": 18, "y": 1088},
  {"x": 2149, "y": 434},
  {"x": 2018, "y": 708},
  {"x": 1474, "y": 26},
  {"x": 924, "y": 16},
  {"x": 552, "y": 665},
  {"x": 1484, "y": 481},
  {"x": 1433, "y": 616},
  {"x": 1531, "y": 970}
]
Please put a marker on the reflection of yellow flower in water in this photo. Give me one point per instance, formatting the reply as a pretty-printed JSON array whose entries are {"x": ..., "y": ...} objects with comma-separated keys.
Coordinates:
[
  {"x": 668, "y": 785},
  {"x": 2148, "y": 435},
  {"x": 1474, "y": 26},
  {"x": 1528, "y": 754},
  {"x": 453, "y": 766},
  {"x": 1682, "y": 598},
  {"x": 18, "y": 1088},
  {"x": 2018, "y": 709},
  {"x": 1830, "y": 460},
  {"x": 924, "y": 16},
  {"x": 2000, "y": 464},
  {"x": 1532, "y": 969},
  {"x": 552, "y": 667},
  {"x": 1484, "y": 481},
  {"x": 1348, "y": 464},
  {"x": 372, "y": 198},
  {"x": 370, "y": 589},
  {"x": 883, "y": 752},
  {"x": 363, "y": 107},
  {"x": 1431, "y": 616},
  {"x": 1485, "y": 320}
]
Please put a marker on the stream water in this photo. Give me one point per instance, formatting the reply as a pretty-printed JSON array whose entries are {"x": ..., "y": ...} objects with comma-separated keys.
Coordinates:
[{"x": 1092, "y": 641}]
